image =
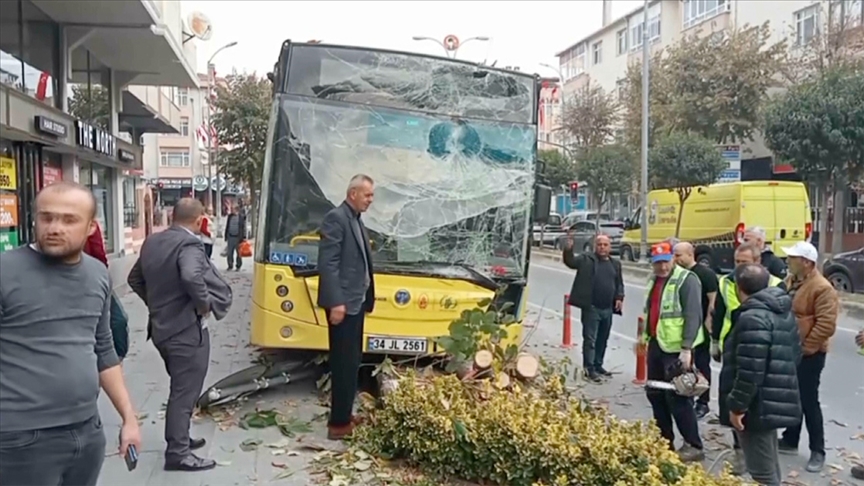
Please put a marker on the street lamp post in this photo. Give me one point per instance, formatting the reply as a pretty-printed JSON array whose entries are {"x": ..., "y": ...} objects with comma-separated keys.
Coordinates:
[
  {"x": 643, "y": 243},
  {"x": 213, "y": 152},
  {"x": 447, "y": 50}
]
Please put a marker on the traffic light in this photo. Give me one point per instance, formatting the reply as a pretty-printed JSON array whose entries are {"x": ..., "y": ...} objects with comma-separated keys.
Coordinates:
[{"x": 574, "y": 191}]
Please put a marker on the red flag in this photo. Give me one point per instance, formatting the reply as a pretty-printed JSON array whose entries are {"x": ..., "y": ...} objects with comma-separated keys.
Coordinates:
[
  {"x": 42, "y": 87},
  {"x": 542, "y": 113}
]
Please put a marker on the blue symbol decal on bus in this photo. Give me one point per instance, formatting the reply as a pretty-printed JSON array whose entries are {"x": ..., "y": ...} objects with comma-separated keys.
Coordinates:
[
  {"x": 280, "y": 258},
  {"x": 402, "y": 297}
]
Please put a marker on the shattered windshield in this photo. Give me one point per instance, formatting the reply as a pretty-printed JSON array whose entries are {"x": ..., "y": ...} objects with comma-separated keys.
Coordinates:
[{"x": 448, "y": 189}]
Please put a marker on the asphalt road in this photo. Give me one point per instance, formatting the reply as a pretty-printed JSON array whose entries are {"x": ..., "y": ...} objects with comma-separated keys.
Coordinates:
[{"x": 841, "y": 393}]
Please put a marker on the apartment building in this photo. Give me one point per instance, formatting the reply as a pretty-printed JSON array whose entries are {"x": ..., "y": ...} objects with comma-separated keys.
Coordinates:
[
  {"x": 604, "y": 55},
  {"x": 78, "y": 88},
  {"x": 177, "y": 165},
  {"x": 549, "y": 112}
]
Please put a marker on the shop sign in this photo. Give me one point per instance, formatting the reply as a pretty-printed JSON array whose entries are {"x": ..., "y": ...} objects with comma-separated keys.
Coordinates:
[
  {"x": 51, "y": 173},
  {"x": 220, "y": 181},
  {"x": 8, "y": 174},
  {"x": 48, "y": 126},
  {"x": 125, "y": 156},
  {"x": 95, "y": 139},
  {"x": 8, "y": 211},
  {"x": 173, "y": 182},
  {"x": 8, "y": 240},
  {"x": 199, "y": 183}
]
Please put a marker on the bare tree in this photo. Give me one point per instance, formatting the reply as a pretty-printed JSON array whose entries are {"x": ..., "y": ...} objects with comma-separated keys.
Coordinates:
[{"x": 590, "y": 117}]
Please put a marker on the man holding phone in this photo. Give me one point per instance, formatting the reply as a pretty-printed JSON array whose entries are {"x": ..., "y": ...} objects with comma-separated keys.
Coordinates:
[{"x": 56, "y": 350}]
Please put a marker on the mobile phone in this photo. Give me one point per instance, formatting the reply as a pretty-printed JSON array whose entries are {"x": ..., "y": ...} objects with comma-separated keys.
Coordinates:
[{"x": 131, "y": 458}]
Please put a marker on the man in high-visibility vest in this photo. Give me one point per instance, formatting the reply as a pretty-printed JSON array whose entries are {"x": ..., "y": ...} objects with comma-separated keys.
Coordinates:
[
  {"x": 726, "y": 302},
  {"x": 673, "y": 311}
]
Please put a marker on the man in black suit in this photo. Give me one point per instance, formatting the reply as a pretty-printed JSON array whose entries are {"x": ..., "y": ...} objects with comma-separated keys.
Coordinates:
[
  {"x": 183, "y": 291},
  {"x": 347, "y": 293}
]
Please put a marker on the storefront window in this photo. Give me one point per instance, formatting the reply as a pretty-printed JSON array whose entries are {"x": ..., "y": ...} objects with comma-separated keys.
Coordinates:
[
  {"x": 8, "y": 197},
  {"x": 29, "y": 57},
  {"x": 52, "y": 168},
  {"x": 100, "y": 180}
]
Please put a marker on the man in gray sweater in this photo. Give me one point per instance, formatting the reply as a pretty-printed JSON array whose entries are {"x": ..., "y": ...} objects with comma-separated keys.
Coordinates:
[{"x": 56, "y": 350}]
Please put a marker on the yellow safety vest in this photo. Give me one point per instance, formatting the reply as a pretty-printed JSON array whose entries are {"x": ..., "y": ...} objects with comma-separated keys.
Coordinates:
[
  {"x": 729, "y": 291},
  {"x": 670, "y": 324}
]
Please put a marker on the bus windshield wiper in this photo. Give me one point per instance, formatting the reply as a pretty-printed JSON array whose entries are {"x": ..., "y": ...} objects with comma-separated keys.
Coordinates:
[{"x": 477, "y": 276}]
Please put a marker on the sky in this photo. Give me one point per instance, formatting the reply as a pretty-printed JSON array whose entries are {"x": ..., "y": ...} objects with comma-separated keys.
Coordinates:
[{"x": 522, "y": 33}]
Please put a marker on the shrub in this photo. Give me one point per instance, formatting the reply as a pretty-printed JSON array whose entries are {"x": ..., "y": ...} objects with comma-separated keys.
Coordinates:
[{"x": 519, "y": 437}]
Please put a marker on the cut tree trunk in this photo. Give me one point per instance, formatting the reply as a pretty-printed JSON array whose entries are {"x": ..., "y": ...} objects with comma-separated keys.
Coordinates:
[
  {"x": 483, "y": 359},
  {"x": 527, "y": 366},
  {"x": 502, "y": 380}
]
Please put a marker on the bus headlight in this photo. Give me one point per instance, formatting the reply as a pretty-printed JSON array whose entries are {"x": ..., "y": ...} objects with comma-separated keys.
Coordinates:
[
  {"x": 281, "y": 291},
  {"x": 287, "y": 306},
  {"x": 286, "y": 332}
]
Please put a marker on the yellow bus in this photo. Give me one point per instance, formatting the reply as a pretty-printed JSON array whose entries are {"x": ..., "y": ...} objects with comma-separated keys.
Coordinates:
[{"x": 451, "y": 146}]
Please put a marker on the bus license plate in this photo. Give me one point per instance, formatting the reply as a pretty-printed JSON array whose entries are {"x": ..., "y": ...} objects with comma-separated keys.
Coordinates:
[{"x": 396, "y": 345}]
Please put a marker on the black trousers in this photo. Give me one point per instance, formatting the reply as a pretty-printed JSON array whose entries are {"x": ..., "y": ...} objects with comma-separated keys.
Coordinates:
[
  {"x": 702, "y": 360},
  {"x": 809, "y": 378},
  {"x": 62, "y": 456},
  {"x": 346, "y": 353},
  {"x": 186, "y": 357},
  {"x": 668, "y": 405},
  {"x": 208, "y": 249}
]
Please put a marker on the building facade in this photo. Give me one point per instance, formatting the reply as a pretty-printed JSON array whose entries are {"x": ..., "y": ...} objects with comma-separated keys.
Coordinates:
[
  {"x": 604, "y": 56},
  {"x": 177, "y": 165},
  {"x": 76, "y": 96}
]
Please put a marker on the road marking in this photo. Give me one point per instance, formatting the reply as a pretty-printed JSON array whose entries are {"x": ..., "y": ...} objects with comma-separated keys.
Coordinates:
[
  {"x": 612, "y": 332},
  {"x": 643, "y": 287}
]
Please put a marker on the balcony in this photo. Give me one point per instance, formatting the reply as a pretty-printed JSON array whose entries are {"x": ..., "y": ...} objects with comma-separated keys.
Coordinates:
[
  {"x": 146, "y": 109},
  {"x": 129, "y": 36}
]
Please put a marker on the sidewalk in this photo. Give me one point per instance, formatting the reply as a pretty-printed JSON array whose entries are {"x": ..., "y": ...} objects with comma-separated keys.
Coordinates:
[{"x": 230, "y": 352}]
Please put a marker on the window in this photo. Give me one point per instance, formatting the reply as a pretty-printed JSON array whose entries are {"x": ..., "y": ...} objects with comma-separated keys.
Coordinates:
[
  {"x": 183, "y": 96},
  {"x": 620, "y": 88},
  {"x": 184, "y": 126},
  {"x": 174, "y": 158},
  {"x": 696, "y": 11},
  {"x": 100, "y": 180},
  {"x": 636, "y": 32},
  {"x": 622, "y": 41},
  {"x": 597, "y": 53},
  {"x": 130, "y": 202},
  {"x": 806, "y": 25}
]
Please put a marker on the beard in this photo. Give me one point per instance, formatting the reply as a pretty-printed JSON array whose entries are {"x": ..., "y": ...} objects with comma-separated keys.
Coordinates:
[{"x": 60, "y": 252}]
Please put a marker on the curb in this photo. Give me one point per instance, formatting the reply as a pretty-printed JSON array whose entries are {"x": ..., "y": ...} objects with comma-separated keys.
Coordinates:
[{"x": 641, "y": 271}]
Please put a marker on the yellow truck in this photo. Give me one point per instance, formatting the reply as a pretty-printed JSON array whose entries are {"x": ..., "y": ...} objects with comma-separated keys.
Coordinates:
[{"x": 715, "y": 217}]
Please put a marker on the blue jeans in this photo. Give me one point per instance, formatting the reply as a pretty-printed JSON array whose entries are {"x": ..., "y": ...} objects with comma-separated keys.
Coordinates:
[{"x": 596, "y": 326}]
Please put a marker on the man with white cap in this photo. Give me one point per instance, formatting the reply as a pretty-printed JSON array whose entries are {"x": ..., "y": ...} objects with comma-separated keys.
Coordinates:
[
  {"x": 816, "y": 305},
  {"x": 770, "y": 261}
]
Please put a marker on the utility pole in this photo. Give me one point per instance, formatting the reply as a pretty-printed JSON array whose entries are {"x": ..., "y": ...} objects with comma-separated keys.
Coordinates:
[
  {"x": 211, "y": 81},
  {"x": 643, "y": 243}
]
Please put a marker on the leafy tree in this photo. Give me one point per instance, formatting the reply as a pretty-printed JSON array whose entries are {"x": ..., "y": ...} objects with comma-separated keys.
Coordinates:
[
  {"x": 817, "y": 126},
  {"x": 90, "y": 105},
  {"x": 681, "y": 162},
  {"x": 559, "y": 169},
  {"x": 242, "y": 113},
  {"x": 711, "y": 85},
  {"x": 607, "y": 170},
  {"x": 590, "y": 117}
]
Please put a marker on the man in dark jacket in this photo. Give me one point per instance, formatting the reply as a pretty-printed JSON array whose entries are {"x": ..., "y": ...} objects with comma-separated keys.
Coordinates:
[
  {"x": 769, "y": 260},
  {"x": 758, "y": 381},
  {"x": 598, "y": 291},
  {"x": 235, "y": 233}
]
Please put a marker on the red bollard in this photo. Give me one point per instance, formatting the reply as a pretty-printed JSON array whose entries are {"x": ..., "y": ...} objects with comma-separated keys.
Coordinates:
[
  {"x": 566, "y": 338},
  {"x": 641, "y": 355}
]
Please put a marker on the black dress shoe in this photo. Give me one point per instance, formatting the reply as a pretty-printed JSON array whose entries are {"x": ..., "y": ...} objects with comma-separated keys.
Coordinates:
[
  {"x": 191, "y": 463},
  {"x": 196, "y": 443},
  {"x": 603, "y": 372}
]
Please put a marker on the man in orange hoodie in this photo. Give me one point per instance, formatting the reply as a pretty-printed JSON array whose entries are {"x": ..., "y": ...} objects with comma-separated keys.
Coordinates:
[{"x": 816, "y": 305}]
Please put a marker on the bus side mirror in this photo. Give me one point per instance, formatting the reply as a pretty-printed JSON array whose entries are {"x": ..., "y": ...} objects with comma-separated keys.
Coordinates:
[{"x": 542, "y": 203}]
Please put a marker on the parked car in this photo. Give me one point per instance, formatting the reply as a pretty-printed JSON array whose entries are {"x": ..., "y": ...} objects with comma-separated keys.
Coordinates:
[
  {"x": 583, "y": 233},
  {"x": 846, "y": 271},
  {"x": 550, "y": 231},
  {"x": 583, "y": 215}
]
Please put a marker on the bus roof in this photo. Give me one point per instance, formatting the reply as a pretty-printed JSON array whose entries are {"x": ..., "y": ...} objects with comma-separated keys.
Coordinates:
[{"x": 535, "y": 77}]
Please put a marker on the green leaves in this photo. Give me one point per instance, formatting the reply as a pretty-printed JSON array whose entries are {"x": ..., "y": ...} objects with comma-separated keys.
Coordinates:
[
  {"x": 475, "y": 329},
  {"x": 818, "y": 126},
  {"x": 242, "y": 114},
  {"x": 559, "y": 169},
  {"x": 590, "y": 117},
  {"x": 261, "y": 419},
  {"x": 712, "y": 85},
  {"x": 683, "y": 160},
  {"x": 90, "y": 105},
  {"x": 607, "y": 170}
]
